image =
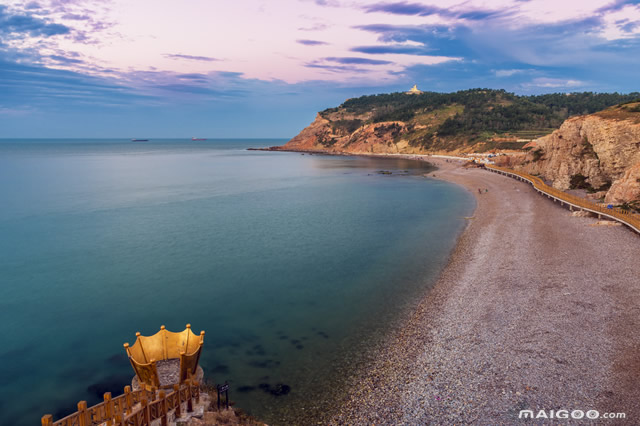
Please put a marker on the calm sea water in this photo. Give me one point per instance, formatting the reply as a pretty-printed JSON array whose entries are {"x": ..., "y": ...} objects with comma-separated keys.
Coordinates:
[{"x": 292, "y": 264}]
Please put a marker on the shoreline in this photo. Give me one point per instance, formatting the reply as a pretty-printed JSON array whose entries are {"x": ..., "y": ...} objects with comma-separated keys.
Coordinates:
[
  {"x": 536, "y": 309},
  {"x": 507, "y": 328}
]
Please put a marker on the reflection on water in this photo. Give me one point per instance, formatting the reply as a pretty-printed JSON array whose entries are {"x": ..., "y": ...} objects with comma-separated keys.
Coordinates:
[{"x": 396, "y": 165}]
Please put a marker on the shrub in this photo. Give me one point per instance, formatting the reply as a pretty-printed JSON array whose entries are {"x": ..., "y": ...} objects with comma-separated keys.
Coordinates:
[
  {"x": 346, "y": 126},
  {"x": 537, "y": 154},
  {"x": 606, "y": 186},
  {"x": 578, "y": 181}
]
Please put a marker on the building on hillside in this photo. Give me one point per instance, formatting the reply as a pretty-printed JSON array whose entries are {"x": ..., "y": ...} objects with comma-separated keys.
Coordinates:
[{"x": 414, "y": 90}]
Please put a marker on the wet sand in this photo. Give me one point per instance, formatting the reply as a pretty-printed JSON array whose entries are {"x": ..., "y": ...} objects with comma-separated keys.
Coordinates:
[{"x": 536, "y": 309}]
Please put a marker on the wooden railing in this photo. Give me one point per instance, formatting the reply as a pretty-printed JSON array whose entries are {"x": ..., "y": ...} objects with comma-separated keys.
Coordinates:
[
  {"x": 627, "y": 218},
  {"x": 137, "y": 408}
]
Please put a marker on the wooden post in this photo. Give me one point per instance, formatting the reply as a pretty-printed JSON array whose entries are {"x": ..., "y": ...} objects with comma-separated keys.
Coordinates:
[
  {"x": 189, "y": 401},
  {"x": 146, "y": 418},
  {"x": 163, "y": 408},
  {"x": 83, "y": 415},
  {"x": 176, "y": 389},
  {"x": 152, "y": 393},
  {"x": 47, "y": 420},
  {"x": 186, "y": 345},
  {"x": 141, "y": 347},
  {"x": 197, "y": 391},
  {"x": 128, "y": 398},
  {"x": 119, "y": 420},
  {"x": 164, "y": 341},
  {"x": 200, "y": 344},
  {"x": 156, "y": 378},
  {"x": 184, "y": 375},
  {"x": 226, "y": 394},
  {"x": 108, "y": 408}
]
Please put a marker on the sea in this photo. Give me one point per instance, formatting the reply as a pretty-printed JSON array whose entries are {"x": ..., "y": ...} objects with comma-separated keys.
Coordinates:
[{"x": 295, "y": 265}]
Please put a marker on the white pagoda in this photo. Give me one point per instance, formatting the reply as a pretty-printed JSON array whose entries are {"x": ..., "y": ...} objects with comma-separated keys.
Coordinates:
[{"x": 414, "y": 90}]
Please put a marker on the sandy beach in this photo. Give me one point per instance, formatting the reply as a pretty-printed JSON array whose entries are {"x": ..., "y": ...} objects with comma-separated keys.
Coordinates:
[{"x": 536, "y": 310}]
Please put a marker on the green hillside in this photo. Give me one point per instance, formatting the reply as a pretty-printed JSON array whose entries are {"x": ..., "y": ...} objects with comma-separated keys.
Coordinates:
[{"x": 438, "y": 120}]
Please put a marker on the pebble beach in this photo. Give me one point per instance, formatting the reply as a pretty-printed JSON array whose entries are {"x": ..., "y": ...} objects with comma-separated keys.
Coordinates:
[{"x": 537, "y": 309}]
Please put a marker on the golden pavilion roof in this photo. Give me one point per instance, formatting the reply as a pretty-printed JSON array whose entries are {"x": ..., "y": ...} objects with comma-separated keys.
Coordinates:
[{"x": 162, "y": 346}]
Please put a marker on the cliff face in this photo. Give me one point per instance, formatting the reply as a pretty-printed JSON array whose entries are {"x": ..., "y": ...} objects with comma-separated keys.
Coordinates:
[
  {"x": 474, "y": 120},
  {"x": 597, "y": 152},
  {"x": 348, "y": 133},
  {"x": 627, "y": 188}
]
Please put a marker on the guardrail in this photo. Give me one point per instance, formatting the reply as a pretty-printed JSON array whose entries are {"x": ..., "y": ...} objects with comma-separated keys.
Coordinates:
[
  {"x": 137, "y": 408},
  {"x": 625, "y": 217}
]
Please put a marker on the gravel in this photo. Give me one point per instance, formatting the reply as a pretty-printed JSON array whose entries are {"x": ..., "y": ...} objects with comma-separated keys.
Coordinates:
[{"x": 537, "y": 309}]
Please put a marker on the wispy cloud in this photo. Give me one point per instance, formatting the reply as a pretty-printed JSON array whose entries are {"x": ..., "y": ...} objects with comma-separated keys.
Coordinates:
[
  {"x": 76, "y": 17},
  {"x": 65, "y": 59},
  {"x": 32, "y": 5},
  {"x": 16, "y": 112},
  {"x": 507, "y": 73},
  {"x": 330, "y": 3},
  {"x": 337, "y": 68},
  {"x": 397, "y": 49},
  {"x": 419, "y": 9},
  {"x": 447, "y": 40},
  {"x": 312, "y": 42},
  {"x": 314, "y": 27},
  {"x": 193, "y": 76},
  {"x": 42, "y": 87},
  {"x": 357, "y": 61},
  {"x": 404, "y": 8},
  {"x": 191, "y": 57},
  {"x": 616, "y": 5},
  {"x": 12, "y": 23},
  {"x": 555, "y": 83}
]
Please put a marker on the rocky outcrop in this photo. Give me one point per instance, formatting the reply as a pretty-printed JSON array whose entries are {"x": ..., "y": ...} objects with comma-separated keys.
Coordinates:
[
  {"x": 596, "y": 152},
  {"x": 309, "y": 138},
  {"x": 351, "y": 134},
  {"x": 627, "y": 188},
  {"x": 599, "y": 152}
]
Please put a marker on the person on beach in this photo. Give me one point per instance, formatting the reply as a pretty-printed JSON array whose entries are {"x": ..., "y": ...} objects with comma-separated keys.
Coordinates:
[{"x": 479, "y": 191}]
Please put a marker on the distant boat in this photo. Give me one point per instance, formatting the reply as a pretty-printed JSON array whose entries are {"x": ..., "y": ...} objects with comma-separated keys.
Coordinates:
[
  {"x": 139, "y": 140},
  {"x": 198, "y": 139}
]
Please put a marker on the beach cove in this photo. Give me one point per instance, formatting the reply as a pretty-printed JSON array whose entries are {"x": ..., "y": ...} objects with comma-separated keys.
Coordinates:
[
  {"x": 294, "y": 265},
  {"x": 536, "y": 310},
  {"x": 532, "y": 308}
]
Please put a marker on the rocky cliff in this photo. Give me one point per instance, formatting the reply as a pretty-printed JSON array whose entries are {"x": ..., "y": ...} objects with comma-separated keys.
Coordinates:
[
  {"x": 339, "y": 134},
  {"x": 475, "y": 120},
  {"x": 598, "y": 152}
]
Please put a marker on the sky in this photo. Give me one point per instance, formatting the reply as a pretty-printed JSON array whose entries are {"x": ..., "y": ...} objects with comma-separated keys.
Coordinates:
[{"x": 253, "y": 68}]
